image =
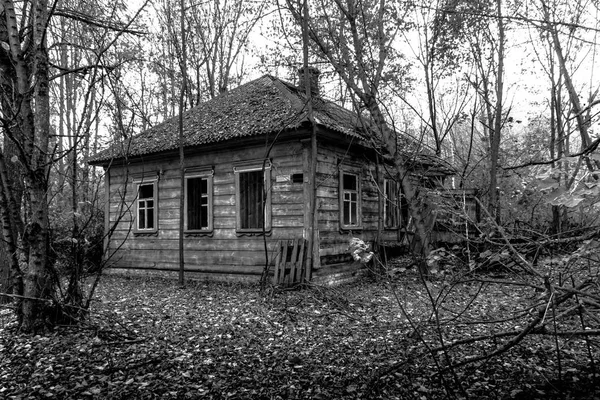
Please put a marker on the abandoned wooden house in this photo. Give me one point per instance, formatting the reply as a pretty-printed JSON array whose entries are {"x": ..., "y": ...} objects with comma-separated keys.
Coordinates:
[{"x": 248, "y": 189}]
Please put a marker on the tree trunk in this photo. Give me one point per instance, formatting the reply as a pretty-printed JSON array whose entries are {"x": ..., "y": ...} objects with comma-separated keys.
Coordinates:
[
  {"x": 12, "y": 272},
  {"x": 29, "y": 68},
  {"x": 37, "y": 288},
  {"x": 582, "y": 124},
  {"x": 36, "y": 282},
  {"x": 363, "y": 76},
  {"x": 414, "y": 203},
  {"x": 498, "y": 121}
]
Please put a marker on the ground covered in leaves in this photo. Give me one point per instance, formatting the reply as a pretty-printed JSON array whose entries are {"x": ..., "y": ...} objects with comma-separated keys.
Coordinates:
[{"x": 150, "y": 339}]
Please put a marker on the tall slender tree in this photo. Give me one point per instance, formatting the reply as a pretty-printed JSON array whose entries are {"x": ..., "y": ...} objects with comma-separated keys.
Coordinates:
[
  {"x": 26, "y": 28},
  {"x": 217, "y": 37},
  {"x": 356, "y": 38}
]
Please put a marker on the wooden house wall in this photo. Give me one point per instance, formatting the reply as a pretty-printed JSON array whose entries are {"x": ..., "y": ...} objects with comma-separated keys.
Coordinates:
[
  {"x": 224, "y": 253},
  {"x": 334, "y": 241}
]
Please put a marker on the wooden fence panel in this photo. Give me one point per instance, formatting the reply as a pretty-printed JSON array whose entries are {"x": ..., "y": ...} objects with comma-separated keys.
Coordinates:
[{"x": 290, "y": 268}]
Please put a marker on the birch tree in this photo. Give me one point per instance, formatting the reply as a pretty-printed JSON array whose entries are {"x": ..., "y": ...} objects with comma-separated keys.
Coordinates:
[
  {"x": 25, "y": 59},
  {"x": 25, "y": 117}
]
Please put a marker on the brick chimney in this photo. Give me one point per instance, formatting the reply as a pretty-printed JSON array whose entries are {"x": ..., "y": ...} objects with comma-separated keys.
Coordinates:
[{"x": 313, "y": 78}]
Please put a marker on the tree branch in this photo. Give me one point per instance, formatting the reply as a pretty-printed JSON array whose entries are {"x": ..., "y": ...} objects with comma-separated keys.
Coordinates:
[
  {"x": 592, "y": 147},
  {"x": 89, "y": 20}
]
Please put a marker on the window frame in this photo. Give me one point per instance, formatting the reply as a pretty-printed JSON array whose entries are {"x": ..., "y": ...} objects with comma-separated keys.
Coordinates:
[
  {"x": 395, "y": 203},
  {"x": 246, "y": 167},
  {"x": 144, "y": 182},
  {"x": 203, "y": 174},
  {"x": 342, "y": 199}
]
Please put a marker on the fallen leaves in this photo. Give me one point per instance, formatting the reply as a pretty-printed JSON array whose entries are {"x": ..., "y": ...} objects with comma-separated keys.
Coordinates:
[{"x": 147, "y": 339}]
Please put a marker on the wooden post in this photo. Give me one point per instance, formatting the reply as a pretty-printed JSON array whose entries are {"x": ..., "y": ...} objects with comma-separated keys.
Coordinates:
[
  {"x": 106, "y": 212},
  {"x": 313, "y": 244},
  {"x": 181, "y": 153}
]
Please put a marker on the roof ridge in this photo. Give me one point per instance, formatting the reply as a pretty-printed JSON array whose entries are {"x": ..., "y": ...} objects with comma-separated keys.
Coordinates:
[{"x": 262, "y": 105}]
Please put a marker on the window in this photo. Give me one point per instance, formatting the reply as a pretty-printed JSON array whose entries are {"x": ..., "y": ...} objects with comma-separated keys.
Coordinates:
[
  {"x": 349, "y": 200},
  {"x": 253, "y": 198},
  {"x": 390, "y": 206},
  {"x": 147, "y": 207},
  {"x": 198, "y": 202}
]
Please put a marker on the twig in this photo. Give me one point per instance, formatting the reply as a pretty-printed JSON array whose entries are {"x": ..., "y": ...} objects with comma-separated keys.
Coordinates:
[
  {"x": 508, "y": 282},
  {"x": 565, "y": 313},
  {"x": 17, "y": 296},
  {"x": 591, "y": 315},
  {"x": 522, "y": 262},
  {"x": 530, "y": 328}
]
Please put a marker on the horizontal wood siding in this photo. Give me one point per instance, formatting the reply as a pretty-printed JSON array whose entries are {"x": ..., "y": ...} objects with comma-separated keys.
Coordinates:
[
  {"x": 334, "y": 241},
  {"x": 224, "y": 251}
]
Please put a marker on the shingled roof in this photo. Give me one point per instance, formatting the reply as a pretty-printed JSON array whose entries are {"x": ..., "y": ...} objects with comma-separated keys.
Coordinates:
[{"x": 261, "y": 106}]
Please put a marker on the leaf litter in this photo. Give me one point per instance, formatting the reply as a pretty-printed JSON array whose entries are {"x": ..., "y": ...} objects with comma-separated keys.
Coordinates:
[{"x": 151, "y": 339}]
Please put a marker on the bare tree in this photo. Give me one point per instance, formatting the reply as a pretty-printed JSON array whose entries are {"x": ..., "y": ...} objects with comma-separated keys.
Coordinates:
[
  {"x": 356, "y": 38},
  {"x": 25, "y": 113},
  {"x": 218, "y": 34},
  {"x": 446, "y": 94}
]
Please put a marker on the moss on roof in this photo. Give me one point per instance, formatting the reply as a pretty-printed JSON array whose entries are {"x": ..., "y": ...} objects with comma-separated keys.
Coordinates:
[{"x": 264, "y": 105}]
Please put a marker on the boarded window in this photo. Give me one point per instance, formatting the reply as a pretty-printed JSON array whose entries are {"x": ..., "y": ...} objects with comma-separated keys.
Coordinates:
[
  {"x": 198, "y": 203},
  {"x": 146, "y": 207},
  {"x": 350, "y": 200},
  {"x": 251, "y": 192},
  {"x": 391, "y": 207},
  {"x": 253, "y": 197}
]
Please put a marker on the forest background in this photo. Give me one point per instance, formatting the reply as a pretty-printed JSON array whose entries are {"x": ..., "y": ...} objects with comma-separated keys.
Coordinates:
[{"x": 505, "y": 91}]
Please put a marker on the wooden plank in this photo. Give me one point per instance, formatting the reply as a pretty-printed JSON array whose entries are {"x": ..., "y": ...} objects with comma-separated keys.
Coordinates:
[
  {"x": 301, "y": 257},
  {"x": 288, "y": 197},
  {"x": 210, "y": 269},
  {"x": 219, "y": 233},
  {"x": 283, "y": 265},
  {"x": 224, "y": 188},
  {"x": 288, "y": 208},
  {"x": 291, "y": 222},
  {"x": 292, "y": 271},
  {"x": 200, "y": 243},
  {"x": 220, "y": 211},
  {"x": 277, "y": 272},
  {"x": 294, "y": 261},
  {"x": 158, "y": 257},
  {"x": 225, "y": 200},
  {"x": 329, "y": 193},
  {"x": 287, "y": 186}
]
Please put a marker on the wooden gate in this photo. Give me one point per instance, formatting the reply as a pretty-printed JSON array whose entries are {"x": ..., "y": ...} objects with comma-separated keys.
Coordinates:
[{"x": 290, "y": 266}]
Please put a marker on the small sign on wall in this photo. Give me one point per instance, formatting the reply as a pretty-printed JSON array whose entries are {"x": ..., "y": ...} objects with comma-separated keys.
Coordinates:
[{"x": 282, "y": 178}]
